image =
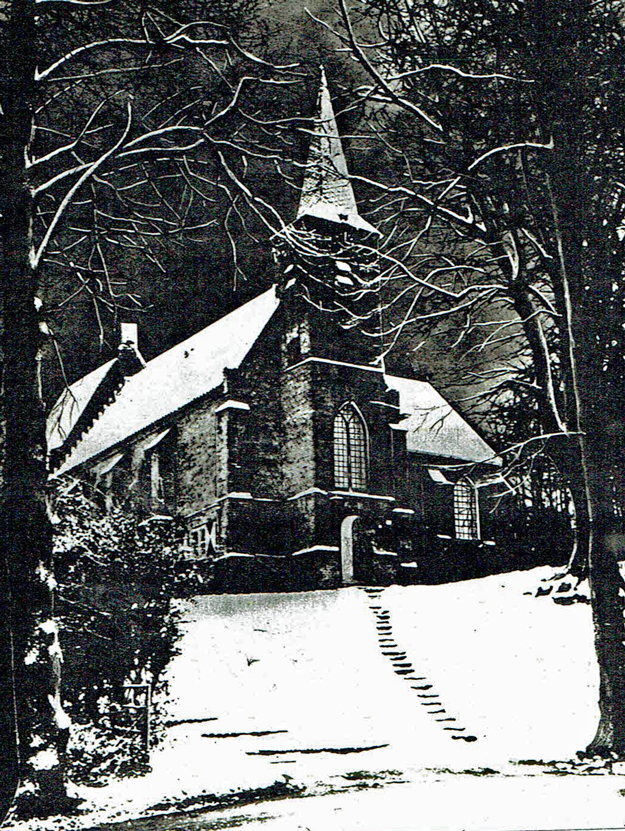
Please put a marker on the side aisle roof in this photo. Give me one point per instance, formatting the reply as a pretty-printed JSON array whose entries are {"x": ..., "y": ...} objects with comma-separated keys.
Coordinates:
[{"x": 433, "y": 426}]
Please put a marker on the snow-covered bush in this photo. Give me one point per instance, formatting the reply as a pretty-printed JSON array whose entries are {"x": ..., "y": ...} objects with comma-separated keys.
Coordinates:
[{"x": 117, "y": 575}]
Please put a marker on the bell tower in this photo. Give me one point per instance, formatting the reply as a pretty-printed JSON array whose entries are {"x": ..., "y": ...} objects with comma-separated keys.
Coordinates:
[
  {"x": 340, "y": 453},
  {"x": 328, "y": 255}
]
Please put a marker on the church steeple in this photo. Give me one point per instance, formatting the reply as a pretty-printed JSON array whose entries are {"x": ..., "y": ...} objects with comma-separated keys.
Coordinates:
[{"x": 327, "y": 192}]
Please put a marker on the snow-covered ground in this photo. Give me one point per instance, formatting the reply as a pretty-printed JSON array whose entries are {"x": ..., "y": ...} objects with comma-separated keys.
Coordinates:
[{"x": 515, "y": 671}]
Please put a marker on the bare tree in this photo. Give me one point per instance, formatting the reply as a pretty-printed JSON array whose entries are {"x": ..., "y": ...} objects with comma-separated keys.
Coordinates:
[
  {"x": 121, "y": 123},
  {"x": 503, "y": 123}
]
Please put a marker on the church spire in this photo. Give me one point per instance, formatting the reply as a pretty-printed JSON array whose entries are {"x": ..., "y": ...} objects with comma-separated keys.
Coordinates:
[{"x": 327, "y": 192}]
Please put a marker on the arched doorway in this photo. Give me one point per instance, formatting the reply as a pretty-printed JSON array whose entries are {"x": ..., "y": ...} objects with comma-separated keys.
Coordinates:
[{"x": 349, "y": 527}]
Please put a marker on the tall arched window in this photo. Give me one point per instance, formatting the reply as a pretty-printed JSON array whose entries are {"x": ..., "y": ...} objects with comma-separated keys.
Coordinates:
[
  {"x": 466, "y": 509},
  {"x": 350, "y": 450}
]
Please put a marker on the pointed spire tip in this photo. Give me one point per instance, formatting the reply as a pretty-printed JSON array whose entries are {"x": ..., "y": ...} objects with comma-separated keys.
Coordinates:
[{"x": 327, "y": 190}]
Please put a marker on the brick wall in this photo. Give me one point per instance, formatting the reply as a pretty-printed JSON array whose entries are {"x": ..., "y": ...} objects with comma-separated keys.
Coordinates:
[
  {"x": 201, "y": 454},
  {"x": 256, "y": 448}
]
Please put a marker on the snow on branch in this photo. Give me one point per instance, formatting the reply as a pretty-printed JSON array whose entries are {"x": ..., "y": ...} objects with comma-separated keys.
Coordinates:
[
  {"x": 75, "y": 2},
  {"x": 504, "y": 148},
  {"x": 473, "y": 76},
  {"x": 379, "y": 80},
  {"x": 66, "y": 201},
  {"x": 72, "y": 144},
  {"x": 173, "y": 40}
]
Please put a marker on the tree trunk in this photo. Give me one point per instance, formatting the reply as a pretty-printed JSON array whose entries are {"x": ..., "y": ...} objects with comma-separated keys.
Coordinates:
[
  {"x": 9, "y": 764},
  {"x": 583, "y": 290},
  {"x": 42, "y": 727},
  {"x": 602, "y": 432},
  {"x": 578, "y": 565},
  {"x": 567, "y": 449},
  {"x": 27, "y": 549},
  {"x": 608, "y": 607}
]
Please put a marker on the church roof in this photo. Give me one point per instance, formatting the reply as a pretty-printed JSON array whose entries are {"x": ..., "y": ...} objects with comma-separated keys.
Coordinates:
[
  {"x": 327, "y": 192},
  {"x": 64, "y": 415},
  {"x": 432, "y": 425},
  {"x": 171, "y": 380}
]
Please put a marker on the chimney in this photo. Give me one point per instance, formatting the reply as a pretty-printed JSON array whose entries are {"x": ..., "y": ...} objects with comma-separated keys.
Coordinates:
[
  {"x": 129, "y": 357},
  {"x": 130, "y": 335}
]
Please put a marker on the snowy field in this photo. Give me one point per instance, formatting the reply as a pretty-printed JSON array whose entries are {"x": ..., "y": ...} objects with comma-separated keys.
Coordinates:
[{"x": 308, "y": 675}]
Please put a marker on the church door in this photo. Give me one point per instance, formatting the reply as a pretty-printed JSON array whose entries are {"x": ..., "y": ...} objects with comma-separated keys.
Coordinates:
[{"x": 348, "y": 527}]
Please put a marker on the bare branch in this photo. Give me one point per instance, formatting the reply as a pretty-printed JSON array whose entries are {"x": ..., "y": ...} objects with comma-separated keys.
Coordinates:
[{"x": 66, "y": 201}]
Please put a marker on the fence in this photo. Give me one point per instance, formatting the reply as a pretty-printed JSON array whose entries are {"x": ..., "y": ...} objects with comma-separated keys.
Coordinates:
[{"x": 132, "y": 716}]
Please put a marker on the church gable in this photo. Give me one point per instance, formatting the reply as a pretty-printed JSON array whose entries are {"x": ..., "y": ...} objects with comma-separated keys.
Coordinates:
[{"x": 79, "y": 404}]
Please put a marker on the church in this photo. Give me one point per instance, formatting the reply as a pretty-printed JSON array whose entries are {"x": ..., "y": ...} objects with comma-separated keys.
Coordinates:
[{"x": 275, "y": 432}]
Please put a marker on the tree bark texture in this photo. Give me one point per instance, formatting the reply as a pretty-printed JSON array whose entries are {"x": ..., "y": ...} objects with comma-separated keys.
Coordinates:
[
  {"x": 604, "y": 432},
  {"x": 42, "y": 727},
  {"x": 599, "y": 418}
]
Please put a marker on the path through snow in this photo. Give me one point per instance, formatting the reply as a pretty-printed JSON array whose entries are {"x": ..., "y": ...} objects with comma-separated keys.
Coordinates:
[{"x": 305, "y": 672}]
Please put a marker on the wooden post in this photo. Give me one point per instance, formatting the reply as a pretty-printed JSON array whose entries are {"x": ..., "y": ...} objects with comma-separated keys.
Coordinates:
[{"x": 148, "y": 724}]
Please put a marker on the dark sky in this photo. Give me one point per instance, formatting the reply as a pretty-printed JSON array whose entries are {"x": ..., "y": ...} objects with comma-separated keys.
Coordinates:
[{"x": 198, "y": 285}]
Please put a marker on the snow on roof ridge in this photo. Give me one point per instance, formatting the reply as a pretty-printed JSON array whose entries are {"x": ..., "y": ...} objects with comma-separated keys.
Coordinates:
[
  {"x": 71, "y": 404},
  {"x": 176, "y": 377}
]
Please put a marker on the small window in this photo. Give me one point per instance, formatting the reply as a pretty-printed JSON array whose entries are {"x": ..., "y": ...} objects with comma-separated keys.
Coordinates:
[
  {"x": 122, "y": 481},
  {"x": 553, "y": 491},
  {"x": 350, "y": 450},
  {"x": 294, "y": 351},
  {"x": 156, "y": 480},
  {"x": 158, "y": 474},
  {"x": 466, "y": 510},
  {"x": 293, "y": 348},
  {"x": 198, "y": 541}
]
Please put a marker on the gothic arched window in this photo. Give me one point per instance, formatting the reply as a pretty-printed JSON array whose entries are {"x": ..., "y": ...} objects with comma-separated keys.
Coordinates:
[
  {"x": 350, "y": 450},
  {"x": 466, "y": 516}
]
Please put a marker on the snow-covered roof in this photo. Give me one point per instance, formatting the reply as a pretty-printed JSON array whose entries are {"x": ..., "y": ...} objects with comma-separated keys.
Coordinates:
[
  {"x": 176, "y": 378},
  {"x": 327, "y": 192},
  {"x": 433, "y": 426},
  {"x": 71, "y": 405}
]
